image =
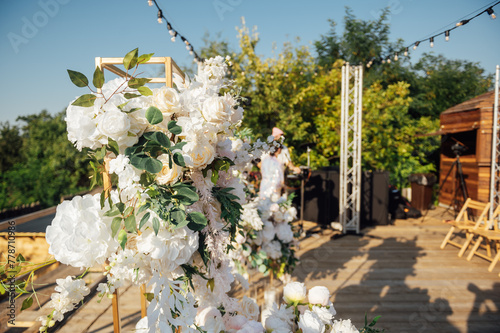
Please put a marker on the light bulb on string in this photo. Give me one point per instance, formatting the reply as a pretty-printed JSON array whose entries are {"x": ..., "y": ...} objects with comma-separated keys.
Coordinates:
[
  {"x": 416, "y": 45},
  {"x": 463, "y": 22},
  {"x": 447, "y": 35},
  {"x": 431, "y": 41},
  {"x": 388, "y": 60},
  {"x": 160, "y": 14},
  {"x": 491, "y": 13},
  {"x": 396, "y": 56},
  {"x": 173, "y": 36},
  {"x": 383, "y": 61},
  {"x": 150, "y": 3},
  {"x": 406, "y": 51}
]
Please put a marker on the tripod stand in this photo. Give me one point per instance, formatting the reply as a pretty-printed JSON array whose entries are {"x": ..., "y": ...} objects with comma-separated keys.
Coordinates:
[{"x": 458, "y": 149}]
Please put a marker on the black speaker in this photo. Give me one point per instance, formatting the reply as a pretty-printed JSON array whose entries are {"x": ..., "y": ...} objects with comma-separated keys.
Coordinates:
[{"x": 321, "y": 197}]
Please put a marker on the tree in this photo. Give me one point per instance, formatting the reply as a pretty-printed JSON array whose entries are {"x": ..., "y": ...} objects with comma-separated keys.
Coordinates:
[
  {"x": 50, "y": 165},
  {"x": 10, "y": 146},
  {"x": 442, "y": 83}
]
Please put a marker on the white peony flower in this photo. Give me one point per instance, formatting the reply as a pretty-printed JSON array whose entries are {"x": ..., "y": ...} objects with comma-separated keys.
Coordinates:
[
  {"x": 268, "y": 232},
  {"x": 294, "y": 292},
  {"x": 319, "y": 295},
  {"x": 235, "y": 323},
  {"x": 80, "y": 234},
  {"x": 310, "y": 322},
  {"x": 168, "y": 175},
  {"x": 279, "y": 319},
  {"x": 343, "y": 326},
  {"x": 82, "y": 127}
]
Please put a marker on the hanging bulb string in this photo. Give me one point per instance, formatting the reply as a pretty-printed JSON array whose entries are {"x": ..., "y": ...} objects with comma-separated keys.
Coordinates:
[
  {"x": 446, "y": 33},
  {"x": 174, "y": 33}
]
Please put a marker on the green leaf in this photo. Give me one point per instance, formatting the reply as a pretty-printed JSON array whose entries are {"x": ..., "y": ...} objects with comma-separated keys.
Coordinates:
[
  {"x": 153, "y": 115},
  {"x": 211, "y": 284},
  {"x": 113, "y": 211},
  {"x": 2, "y": 289},
  {"x": 121, "y": 207},
  {"x": 130, "y": 59},
  {"x": 85, "y": 101},
  {"x": 122, "y": 238},
  {"x": 143, "y": 58},
  {"x": 102, "y": 198},
  {"x": 79, "y": 79},
  {"x": 178, "y": 145},
  {"x": 130, "y": 223},
  {"x": 137, "y": 82},
  {"x": 28, "y": 302},
  {"x": 178, "y": 217},
  {"x": 159, "y": 138},
  {"x": 143, "y": 208},
  {"x": 156, "y": 225},
  {"x": 145, "y": 91},
  {"x": 179, "y": 159},
  {"x": 174, "y": 128},
  {"x": 113, "y": 146},
  {"x": 20, "y": 258},
  {"x": 144, "y": 219},
  {"x": 115, "y": 225},
  {"x": 130, "y": 96},
  {"x": 144, "y": 162},
  {"x": 149, "y": 296},
  {"x": 98, "y": 80},
  {"x": 197, "y": 221},
  {"x": 186, "y": 195}
]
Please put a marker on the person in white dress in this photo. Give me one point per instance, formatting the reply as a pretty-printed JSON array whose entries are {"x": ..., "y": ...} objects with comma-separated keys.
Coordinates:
[
  {"x": 273, "y": 179},
  {"x": 284, "y": 156}
]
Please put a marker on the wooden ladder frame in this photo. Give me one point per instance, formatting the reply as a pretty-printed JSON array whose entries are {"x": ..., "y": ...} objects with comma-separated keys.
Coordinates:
[{"x": 170, "y": 68}]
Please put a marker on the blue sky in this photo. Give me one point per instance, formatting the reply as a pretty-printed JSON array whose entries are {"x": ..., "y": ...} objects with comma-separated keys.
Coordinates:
[{"x": 40, "y": 39}]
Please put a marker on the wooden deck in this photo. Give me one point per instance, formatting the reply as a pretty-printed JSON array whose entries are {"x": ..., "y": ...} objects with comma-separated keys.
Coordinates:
[{"x": 397, "y": 271}]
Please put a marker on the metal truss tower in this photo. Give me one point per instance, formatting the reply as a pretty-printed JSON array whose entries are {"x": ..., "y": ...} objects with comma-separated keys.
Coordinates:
[
  {"x": 495, "y": 152},
  {"x": 350, "y": 148}
]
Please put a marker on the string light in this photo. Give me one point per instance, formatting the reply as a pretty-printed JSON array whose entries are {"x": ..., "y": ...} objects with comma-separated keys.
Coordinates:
[
  {"x": 160, "y": 15},
  {"x": 174, "y": 33},
  {"x": 446, "y": 34},
  {"x": 491, "y": 13}
]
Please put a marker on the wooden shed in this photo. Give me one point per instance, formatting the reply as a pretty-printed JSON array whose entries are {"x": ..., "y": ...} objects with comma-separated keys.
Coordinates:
[{"x": 466, "y": 128}]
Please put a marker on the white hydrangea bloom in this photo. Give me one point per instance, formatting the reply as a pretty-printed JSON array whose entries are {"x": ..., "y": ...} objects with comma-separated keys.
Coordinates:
[{"x": 80, "y": 234}]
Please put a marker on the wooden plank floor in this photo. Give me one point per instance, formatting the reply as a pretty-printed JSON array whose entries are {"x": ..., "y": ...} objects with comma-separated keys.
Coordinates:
[{"x": 397, "y": 271}]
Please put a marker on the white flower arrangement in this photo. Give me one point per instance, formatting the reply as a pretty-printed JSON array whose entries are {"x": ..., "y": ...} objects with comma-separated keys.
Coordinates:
[{"x": 178, "y": 208}]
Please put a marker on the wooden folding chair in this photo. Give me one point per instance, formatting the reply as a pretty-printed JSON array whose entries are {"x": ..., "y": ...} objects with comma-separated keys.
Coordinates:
[
  {"x": 488, "y": 235},
  {"x": 463, "y": 223}
]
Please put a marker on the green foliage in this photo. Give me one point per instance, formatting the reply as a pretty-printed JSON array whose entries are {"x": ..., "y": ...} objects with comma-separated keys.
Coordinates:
[
  {"x": 369, "y": 328},
  {"x": 45, "y": 165},
  {"x": 231, "y": 208}
]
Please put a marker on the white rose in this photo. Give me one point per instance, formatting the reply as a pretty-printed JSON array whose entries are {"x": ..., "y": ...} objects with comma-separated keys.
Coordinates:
[
  {"x": 167, "y": 100},
  {"x": 319, "y": 295},
  {"x": 215, "y": 110},
  {"x": 251, "y": 326},
  {"x": 343, "y": 326},
  {"x": 82, "y": 127},
  {"x": 309, "y": 322},
  {"x": 235, "y": 323},
  {"x": 167, "y": 175},
  {"x": 198, "y": 154},
  {"x": 114, "y": 124},
  {"x": 323, "y": 314},
  {"x": 294, "y": 292},
  {"x": 249, "y": 308},
  {"x": 204, "y": 314}
]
